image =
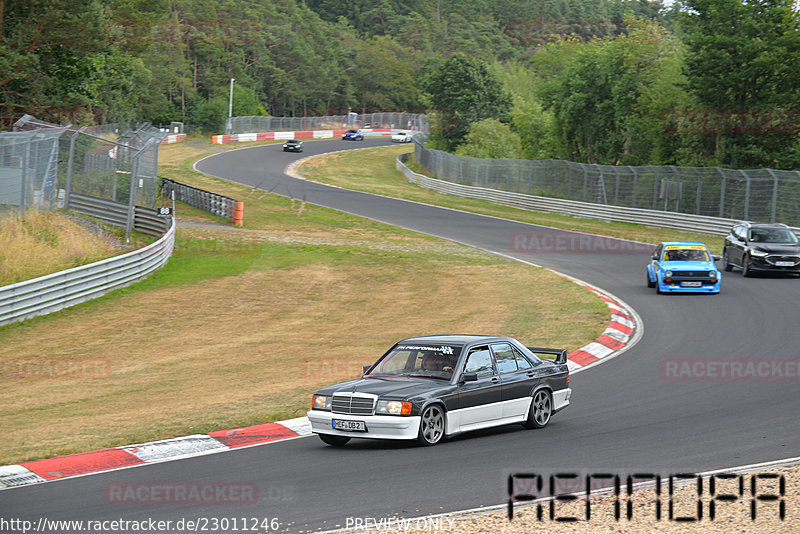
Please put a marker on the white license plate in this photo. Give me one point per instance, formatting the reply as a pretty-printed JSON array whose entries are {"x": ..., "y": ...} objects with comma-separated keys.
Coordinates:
[
  {"x": 691, "y": 284},
  {"x": 784, "y": 264},
  {"x": 349, "y": 426}
]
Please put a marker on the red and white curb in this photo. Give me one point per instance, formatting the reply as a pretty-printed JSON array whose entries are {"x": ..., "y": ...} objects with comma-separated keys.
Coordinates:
[
  {"x": 619, "y": 334},
  {"x": 100, "y": 460},
  {"x": 621, "y": 330},
  {"x": 173, "y": 138}
]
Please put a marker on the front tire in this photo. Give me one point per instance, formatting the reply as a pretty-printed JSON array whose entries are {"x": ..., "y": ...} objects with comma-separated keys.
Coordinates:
[
  {"x": 541, "y": 410},
  {"x": 334, "y": 441},
  {"x": 726, "y": 262},
  {"x": 431, "y": 425},
  {"x": 746, "y": 269}
]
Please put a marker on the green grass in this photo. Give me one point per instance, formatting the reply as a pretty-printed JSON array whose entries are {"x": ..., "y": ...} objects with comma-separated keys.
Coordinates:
[
  {"x": 385, "y": 180},
  {"x": 242, "y": 324}
]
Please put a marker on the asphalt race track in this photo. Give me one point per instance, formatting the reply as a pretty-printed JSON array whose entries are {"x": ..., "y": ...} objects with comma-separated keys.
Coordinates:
[{"x": 626, "y": 415}]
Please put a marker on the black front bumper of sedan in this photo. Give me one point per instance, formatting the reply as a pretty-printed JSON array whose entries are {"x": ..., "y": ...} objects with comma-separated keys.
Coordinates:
[{"x": 775, "y": 263}]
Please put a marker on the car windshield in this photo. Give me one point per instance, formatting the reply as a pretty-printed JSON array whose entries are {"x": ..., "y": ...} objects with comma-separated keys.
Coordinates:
[
  {"x": 685, "y": 254},
  {"x": 773, "y": 235},
  {"x": 294, "y": 142},
  {"x": 418, "y": 361}
]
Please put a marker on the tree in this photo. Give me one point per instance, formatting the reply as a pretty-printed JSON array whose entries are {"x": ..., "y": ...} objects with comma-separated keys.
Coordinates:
[
  {"x": 742, "y": 64},
  {"x": 385, "y": 73},
  {"x": 607, "y": 96},
  {"x": 45, "y": 55},
  {"x": 463, "y": 91},
  {"x": 490, "y": 138}
]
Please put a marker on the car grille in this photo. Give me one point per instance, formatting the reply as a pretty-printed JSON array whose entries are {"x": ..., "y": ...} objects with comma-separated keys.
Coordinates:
[
  {"x": 702, "y": 274},
  {"x": 352, "y": 405},
  {"x": 773, "y": 259}
]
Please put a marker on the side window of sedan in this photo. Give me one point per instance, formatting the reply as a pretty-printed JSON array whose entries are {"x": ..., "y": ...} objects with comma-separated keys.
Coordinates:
[
  {"x": 503, "y": 355},
  {"x": 479, "y": 361},
  {"x": 522, "y": 361}
]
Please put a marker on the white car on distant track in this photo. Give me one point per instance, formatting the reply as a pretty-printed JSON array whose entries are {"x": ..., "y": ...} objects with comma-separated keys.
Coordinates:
[{"x": 402, "y": 137}]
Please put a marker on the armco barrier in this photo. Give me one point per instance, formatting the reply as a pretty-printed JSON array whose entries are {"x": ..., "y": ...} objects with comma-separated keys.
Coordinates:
[
  {"x": 145, "y": 220},
  {"x": 219, "y": 205},
  {"x": 661, "y": 219},
  {"x": 308, "y": 134},
  {"x": 53, "y": 292}
]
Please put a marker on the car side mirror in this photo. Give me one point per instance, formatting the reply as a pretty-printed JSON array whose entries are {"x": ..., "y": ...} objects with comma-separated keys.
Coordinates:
[
  {"x": 654, "y": 257},
  {"x": 469, "y": 377},
  {"x": 366, "y": 368},
  {"x": 716, "y": 258}
]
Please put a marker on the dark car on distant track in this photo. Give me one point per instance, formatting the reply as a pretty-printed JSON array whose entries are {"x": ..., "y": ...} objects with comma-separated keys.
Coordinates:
[
  {"x": 429, "y": 387},
  {"x": 293, "y": 145},
  {"x": 353, "y": 135},
  {"x": 761, "y": 247}
]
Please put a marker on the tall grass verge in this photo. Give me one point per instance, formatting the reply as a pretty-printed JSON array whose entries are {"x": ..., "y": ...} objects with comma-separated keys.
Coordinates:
[{"x": 41, "y": 243}]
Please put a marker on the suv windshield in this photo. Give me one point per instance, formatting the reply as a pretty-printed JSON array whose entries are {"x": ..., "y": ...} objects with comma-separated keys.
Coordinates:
[
  {"x": 773, "y": 235},
  {"x": 429, "y": 361}
]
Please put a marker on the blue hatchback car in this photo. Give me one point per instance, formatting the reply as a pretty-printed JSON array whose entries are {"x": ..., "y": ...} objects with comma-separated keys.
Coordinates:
[
  {"x": 683, "y": 267},
  {"x": 353, "y": 135}
]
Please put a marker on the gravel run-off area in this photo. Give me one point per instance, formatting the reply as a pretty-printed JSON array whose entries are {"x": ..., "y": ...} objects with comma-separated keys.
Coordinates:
[{"x": 777, "y": 487}]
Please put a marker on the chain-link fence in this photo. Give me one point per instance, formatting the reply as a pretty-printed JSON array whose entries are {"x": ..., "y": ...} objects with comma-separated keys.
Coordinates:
[
  {"x": 28, "y": 169},
  {"x": 257, "y": 124},
  {"x": 765, "y": 195},
  {"x": 43, "y": 165}
]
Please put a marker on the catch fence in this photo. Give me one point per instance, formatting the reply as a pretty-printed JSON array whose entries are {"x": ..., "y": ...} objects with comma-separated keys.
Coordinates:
[
  {"x": 43, "y": 165},
  {"x": 257, "y": 124},
  {"x": 764, "y": 195}
]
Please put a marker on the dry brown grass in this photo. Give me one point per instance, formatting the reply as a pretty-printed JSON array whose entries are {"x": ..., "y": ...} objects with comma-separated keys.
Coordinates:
[
  {"x": 313, "y": 296},
  {"x": 41, "y": 243},
  {"x": 251, "y": 348}
]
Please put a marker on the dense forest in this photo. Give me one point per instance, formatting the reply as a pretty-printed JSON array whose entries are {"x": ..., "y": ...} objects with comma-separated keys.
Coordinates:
[{"x": 703, "y": 82}]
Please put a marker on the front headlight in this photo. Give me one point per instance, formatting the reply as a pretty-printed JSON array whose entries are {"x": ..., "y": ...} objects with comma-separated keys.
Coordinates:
[
  {"x": 321, "y": 402},
  {"x": 712, "y": 274},
  {"x": 758, "y": 253},
  {"x": 390, "y": 407},
  {"x": 668, "y": 273}
]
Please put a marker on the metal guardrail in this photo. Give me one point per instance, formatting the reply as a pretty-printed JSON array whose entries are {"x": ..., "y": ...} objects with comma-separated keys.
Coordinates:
[
  {"x": 717, "y": 226},
  {"x": 145, "y": 220},
  {"x": 219, "y": 205},
  {"x": 56, "y": 291},
  {"x": 767, "y": 195}
]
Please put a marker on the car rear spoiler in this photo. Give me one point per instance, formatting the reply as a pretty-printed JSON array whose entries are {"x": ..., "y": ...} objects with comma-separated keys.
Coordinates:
[{"x": 555, "y": 355}]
